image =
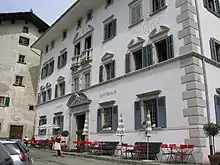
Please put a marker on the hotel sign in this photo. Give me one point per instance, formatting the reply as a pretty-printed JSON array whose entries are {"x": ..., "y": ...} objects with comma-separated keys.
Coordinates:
[{"x": 108, "y": 93}]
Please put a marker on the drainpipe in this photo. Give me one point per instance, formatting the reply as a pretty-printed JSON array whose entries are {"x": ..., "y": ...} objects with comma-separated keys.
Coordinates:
[
  {"x": 204, "y": 74},
  {"x": 35, "y": 113}
]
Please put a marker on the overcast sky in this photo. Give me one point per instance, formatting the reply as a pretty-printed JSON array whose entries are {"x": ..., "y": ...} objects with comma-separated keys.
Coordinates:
[{"x": 48, "y": 10}]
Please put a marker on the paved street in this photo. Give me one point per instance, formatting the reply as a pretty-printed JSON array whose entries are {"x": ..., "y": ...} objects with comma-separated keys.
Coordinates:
[{"x": 42, "y": 157}]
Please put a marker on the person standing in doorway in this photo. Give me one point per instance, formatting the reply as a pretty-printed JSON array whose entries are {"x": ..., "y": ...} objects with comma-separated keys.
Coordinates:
[{"x": 57, "y": 145}]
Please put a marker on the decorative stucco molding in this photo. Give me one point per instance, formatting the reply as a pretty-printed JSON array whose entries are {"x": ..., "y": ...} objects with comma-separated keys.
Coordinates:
[
  {"x": 78, "y": 99},
  {"x": 83, "y": 32},
  {"x": 48, "y": 85},
  {"x": 107, "y": 56},
  {"x": 60, "y": 79},
  {"x": 106, "y": 103},
  {"x": 155, "y": 32},
  {"x": 135, "y": 42},
  {"x": 150, "y": 93}
]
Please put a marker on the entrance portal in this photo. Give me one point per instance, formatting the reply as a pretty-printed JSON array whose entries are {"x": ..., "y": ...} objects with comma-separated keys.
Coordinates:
[
  {"x": 16, "y": 132},
  {"x": 80, "y": 121}
]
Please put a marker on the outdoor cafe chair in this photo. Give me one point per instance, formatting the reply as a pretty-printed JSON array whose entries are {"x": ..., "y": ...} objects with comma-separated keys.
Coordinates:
[{"x": 185, "y": 152}]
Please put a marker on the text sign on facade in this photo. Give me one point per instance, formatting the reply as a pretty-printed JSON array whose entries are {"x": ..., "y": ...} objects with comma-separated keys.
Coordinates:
[{"x": 108, "y": 93}]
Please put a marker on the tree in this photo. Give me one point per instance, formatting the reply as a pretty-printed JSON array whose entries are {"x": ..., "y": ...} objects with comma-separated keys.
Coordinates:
[{"x": 211, "y": 130}]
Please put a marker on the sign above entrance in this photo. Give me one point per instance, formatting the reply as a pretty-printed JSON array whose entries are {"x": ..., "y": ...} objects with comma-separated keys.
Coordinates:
[{"x": 108, "y": 93}]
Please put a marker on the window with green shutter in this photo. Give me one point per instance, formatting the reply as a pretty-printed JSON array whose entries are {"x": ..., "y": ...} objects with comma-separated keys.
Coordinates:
[
  {"x": 110, "y": 29},
  {"x": 215, "y": 49}
]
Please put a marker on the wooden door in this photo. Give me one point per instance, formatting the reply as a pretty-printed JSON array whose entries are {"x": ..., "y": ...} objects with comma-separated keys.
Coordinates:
[{"x": 16, "y": 132}]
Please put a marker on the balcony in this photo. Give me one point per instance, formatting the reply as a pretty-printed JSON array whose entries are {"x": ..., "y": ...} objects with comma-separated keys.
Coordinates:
[{"x": 82, "y": 60}]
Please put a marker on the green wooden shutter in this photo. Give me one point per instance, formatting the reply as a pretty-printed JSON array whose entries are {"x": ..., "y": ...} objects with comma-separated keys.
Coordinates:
[
  {"x": 54, "y": 122},
  {"x": 65, "y": 58},
  {"x": 99, "y": 120},
  {"x": 52, "y": 66},
  {"x": 127, "y": 63},
  {"x": 58, "y": 62},
  {"x": 56, "y": 91},
  {"x": 101, "y": 73},
  {"x": 137, "y": 115},
  {"x": 7, "y": 101},
  {"x": 113, "y": 69},
  {"x": 161, "y": 112},
  {"x": 170, "y": 53},
  {"x": 64, "y": 88},
  {"x": 42, "y": 73},
  {"x": 217, "y": 6},
  {"x": 114, "y": 27},
  {"x": 105, "y": 32},
  {"x": 61, "y": 123},
  {"x": 205, "y": 3},
  {"x": 149, "y": 54},
  {"x": 144, "y": 57},
  {"x": 217, "y": 108},
  {"x": 115, "y": 118},
  {"x": 213, "y": 49}
]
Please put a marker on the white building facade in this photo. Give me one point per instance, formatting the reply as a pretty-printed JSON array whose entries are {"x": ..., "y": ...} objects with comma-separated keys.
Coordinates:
[
  {"x": 155, "y": 55},
  {"x": 19, "y": 67}
]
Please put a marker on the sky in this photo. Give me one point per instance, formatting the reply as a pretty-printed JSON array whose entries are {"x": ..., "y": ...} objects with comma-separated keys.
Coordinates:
[{"x": 48, "y": 10}]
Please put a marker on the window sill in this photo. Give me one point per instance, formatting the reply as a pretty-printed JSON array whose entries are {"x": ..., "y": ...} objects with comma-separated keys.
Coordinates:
[
  {"x": 158, "y": 11},
  {"x": 108, "y": 39},
  {"x": 107, "y": 131},
  {"x": 18, "y": 85},
  {"x": 214, "y": 13},
  {"x": 153, "y": 129},
  {"x": 2, "y": 106},
  {"x": 136, "y": 23},
  {"x": 22, "y": 63}
]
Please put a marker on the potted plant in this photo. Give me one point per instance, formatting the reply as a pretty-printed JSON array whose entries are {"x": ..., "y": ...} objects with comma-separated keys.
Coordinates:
[
  {"x": 212, "y": 130},
  {"x": 65, "y": 134}
]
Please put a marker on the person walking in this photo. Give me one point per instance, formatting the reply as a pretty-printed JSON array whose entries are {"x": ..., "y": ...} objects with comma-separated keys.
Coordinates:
[{"x": 57, "y": 145}]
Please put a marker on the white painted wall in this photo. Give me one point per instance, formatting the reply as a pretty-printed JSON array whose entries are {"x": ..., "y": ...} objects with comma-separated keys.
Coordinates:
[{"x": 21, "y": 97}]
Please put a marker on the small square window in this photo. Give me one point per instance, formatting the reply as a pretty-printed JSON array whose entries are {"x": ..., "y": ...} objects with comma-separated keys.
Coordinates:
[
  {"x": 46, "y": 48},
  {"x": 89, "y": 15},
  {"x": 24, "y": 41},
  {"x": 52, "y": 44},
  {"x": 25, "y": 29},
  {"x": 109, "y": 2},
  {"x": 158, "y": 4},
  {"x": 64, "y": 34},
  {"x": 79, "y": 23},
  {"x": 19, "y": 81},
  {"x": 21, "y": 59},
  {"x": 31, "y": 107}
]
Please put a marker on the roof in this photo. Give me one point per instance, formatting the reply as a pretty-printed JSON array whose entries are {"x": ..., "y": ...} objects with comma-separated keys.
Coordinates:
[{"x": 26, "y": 16}]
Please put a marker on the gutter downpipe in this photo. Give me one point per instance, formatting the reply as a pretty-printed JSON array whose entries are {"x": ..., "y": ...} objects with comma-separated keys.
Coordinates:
[
  {"x": 204, "y": 75},
  {"x": 35, "y": 114}
]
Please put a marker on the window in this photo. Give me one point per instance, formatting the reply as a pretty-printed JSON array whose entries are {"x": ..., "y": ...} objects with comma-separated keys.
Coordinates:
[
  {"x": 49, "y": 93},
  {"x": 48, "y": 69},
  {"x": 87, "y": 80},
  {"x": 215, "y": 49},
  {"x": 58, "y": 120},
  {"x": 88, "y": 43},
  {"x": 77, "y": 50},
  {"x": 44, "y": 96},
  {"x": 107, "y": 71},
  {"x": 52, "y": 44},
  {"x": 46, "y": 48},
  {"x": 138, "y": 59},
  {"x": 60, "y": 89},
  {"x": 109, "y": 2},
  {"x": 158, "y": 4},
  {"x": 107, "y": 118},
  {"x": 212, "y": 6},
  {"x": 76, "y": 84},
  {"x": 2, "y": 101},
  {"x": 79, "y": 23},
  {"x": 25, "y": 29},
  {"x": 21, "y": 59},
  {"x": 136, "y": 12},
  {"x": 62, "y": 59},
  {"x": 110, "y": 29},
  {"x": 24, "y": 41},
  {"x": 64, "y": 35},
  {"x": 19, "y": 81},
  {"x": 157, "y": 108},
  {"x": 42, "y": 121},
  {"x": 31, "y": 107},
  {"x": 89, "y": 15},
  {"x": 0, "y": 127},
  {"x": 164, "y": 49}
]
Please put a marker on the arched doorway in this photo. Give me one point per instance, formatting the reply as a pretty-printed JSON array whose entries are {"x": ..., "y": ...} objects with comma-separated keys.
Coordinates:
[{"x": 78, "y": 104}]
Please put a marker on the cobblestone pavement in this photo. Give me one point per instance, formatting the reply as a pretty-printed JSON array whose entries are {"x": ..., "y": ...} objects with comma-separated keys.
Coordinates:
[{"x": 42, "y": 157}]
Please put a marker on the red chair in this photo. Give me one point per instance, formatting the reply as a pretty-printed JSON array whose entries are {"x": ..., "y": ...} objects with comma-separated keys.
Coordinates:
[{"x": 164, "y": 149}]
